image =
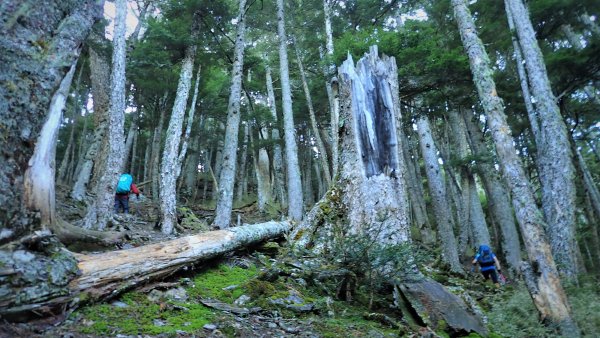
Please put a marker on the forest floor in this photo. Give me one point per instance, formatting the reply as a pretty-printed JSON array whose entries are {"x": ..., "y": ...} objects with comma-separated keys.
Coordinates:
[{"x": 270, "y": 291}]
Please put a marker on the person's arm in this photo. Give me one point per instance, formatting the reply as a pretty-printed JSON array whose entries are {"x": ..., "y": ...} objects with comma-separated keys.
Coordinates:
[
  {"x": 475, "y": 259},
  {"x": 497, "y": 264},
  {"x": 135, "y": 190}
]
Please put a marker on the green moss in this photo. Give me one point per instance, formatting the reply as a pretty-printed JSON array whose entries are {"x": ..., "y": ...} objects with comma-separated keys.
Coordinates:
[
  {"x": 210, "y": 284},
  {"x": 141, "y": 314},
  {"x": 258, "y": 288}
]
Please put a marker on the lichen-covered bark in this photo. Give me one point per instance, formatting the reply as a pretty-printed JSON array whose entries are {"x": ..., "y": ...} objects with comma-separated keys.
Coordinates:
[
  {"x": 100, "y": 212},
  {"x": 100, "y": 76},
  {"x": 554, "y": 157},
  {"x": 437, "y": 190},
  {"x": 294, "y": 182},
  {"x": 279, "y": 178},
  {"x": 548, "y": 296},
  {"x": 170, "y": 166},
  {"x": 34, "y": 265},
  {"x": 227, "y": 175}
]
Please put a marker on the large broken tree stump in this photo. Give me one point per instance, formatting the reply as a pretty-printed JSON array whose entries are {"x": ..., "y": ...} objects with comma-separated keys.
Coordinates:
[
  {"x": 369, "y": 198},
  {"x": 108, "y": 274}
]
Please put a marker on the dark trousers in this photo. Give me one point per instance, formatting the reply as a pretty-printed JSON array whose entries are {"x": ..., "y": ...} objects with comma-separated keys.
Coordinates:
[
  {"x": 122, "y": 201},
  {"x": 490, "y": 273}
]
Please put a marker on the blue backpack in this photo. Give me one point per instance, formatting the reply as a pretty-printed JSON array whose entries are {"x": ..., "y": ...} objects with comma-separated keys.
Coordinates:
[
  {"x": 124, "y": 185},
  {"x": 486, "y": 258}
]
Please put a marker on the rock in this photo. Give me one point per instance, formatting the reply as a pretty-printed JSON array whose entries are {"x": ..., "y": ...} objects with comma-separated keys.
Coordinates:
[
  {"x": 289, "y": 329},
  {"x": 155, "y": 296},
  {"x": 158, "y": 322},
  {"x": 434, "y": 304},
  {"x": 272, "y": 325},
  {"x": 209, "y": 327},
  {"x": 243, "y": 299},
  {"x": 178, "y": 294},
  {"x": 230, "y": 287},
  {"x": 119, "y": 304}
]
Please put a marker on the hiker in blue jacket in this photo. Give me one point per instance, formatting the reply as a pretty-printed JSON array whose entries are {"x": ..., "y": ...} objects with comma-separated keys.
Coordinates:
[
  {"x": 124, "y": 188},
  {"x": 488, "y": 263}
]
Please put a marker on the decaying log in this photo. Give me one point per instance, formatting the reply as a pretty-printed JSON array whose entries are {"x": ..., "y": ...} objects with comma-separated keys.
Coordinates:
[{"x": 108, "y": 274}]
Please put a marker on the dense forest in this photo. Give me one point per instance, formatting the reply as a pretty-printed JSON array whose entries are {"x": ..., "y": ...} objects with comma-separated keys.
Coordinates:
[{"x": 310, "y": 168}]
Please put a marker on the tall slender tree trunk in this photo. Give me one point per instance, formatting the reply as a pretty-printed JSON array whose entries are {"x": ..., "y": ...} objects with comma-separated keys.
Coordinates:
[
  {"x": 128, "y": 146},
  {"x": 243, "y": 163},
  {"x": 481, "y": 232},
  {"x": 100, "y": 70},
  {"x": 437, "y": 190},
  {"x": 294, "y": 182},
  {"x": 497, "y": 195},
  {"x": 415, "y": 192},
  {"x": 99, "y": 213},
  {"x": 82, "y": 148},
  {"x": 313, "y": 120},
  {"x": 279, "y": 177},
  {"x": 67, "y": 159},
  {"x": 227, "y": 177},
  {"x": 261, "y": 170},
  {"x": 156, "y": 140},
  {"x": 133, "y": 160},
  {"x": 147, "y": 157},
  {"x": 458, "y": 139},
  {"x": 188, "y": 126},
  {"x": 545, "y": 287},
  {"x": 170, "y": 165},
  {"x": 329, "y": 72},
  {"x": 554, "y": 157}
]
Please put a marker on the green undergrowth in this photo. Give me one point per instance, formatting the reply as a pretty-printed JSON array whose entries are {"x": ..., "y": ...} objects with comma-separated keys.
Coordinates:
[{"x": 144, "y": 316}]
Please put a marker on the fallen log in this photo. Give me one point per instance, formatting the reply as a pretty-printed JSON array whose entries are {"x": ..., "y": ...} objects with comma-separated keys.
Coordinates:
[{"x": 108, "y": 274}]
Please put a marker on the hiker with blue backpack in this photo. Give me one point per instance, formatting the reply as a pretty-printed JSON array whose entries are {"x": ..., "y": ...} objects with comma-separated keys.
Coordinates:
[
  {"x": 488, "y": 264},
  {"x": 124, "y": 188}
]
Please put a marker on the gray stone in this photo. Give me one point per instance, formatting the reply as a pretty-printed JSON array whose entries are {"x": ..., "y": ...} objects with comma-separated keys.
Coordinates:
[
  {"x": 243, "y": 299},
  {"x": 119, "y": 304},
  {"x": 178, "y": 294},
  {"x": 158, "y": 322},
  {"x": 210, "y": 327}
]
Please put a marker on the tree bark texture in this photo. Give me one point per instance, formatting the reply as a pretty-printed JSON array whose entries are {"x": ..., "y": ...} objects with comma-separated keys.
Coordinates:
[
  {"x": 330, "y": 70},
  {"x": 101, "y": 211},
  {"x": 169, "y": 169},
  {"x": 108, "y": 274},
  {"x": 294, "y": 182},
  {"x": 278, "y": 173},
  {"x": 437, "y": 190},
  {"x": 99, "y": 74},
  {"x": 188, "y": 126},
  {"x": 227, "y": 175},
  {"x": 373, "y": 187},
  {"x": 549, "y": 296},
  {"x": 554, "y": 157},
  {"x": 34, "y": 268}
]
